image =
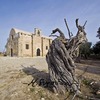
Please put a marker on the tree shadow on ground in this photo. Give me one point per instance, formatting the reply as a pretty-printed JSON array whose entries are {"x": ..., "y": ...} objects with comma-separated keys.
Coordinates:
[
  {"x": 89, "y": 69},
  {"x": 40, "y": 78}
]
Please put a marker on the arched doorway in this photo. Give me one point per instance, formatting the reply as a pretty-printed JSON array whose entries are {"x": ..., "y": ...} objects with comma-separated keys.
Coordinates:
[
  {"x": 11, "y": 52},
  {"x": 38, "y": 52}
]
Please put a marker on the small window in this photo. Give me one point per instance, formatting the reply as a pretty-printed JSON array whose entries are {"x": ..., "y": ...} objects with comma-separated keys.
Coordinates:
[
  {"x": 38, "y": 32},
  {"x": 27, "y": 46},
  {"x": 12, "y": 37},
  {"x": 46, "y": 47}
]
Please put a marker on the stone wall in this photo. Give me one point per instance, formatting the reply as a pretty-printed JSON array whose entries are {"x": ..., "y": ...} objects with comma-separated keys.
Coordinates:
[
  {"x": 25, "y": 44},
  {"x": 12, "y": 44}
]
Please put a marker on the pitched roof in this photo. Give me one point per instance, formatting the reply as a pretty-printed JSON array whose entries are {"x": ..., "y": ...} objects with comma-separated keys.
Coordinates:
[
  {"x": 25, "y": 32},
  {"x": 21, "y": 31},
  {"x": 46, "y": 37}
]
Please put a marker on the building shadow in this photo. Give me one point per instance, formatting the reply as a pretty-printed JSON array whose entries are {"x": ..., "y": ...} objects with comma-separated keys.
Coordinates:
[{"x": 40, "y": 78}]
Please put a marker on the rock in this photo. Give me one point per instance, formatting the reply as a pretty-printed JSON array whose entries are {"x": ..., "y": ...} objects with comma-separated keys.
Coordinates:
[
  {"x": 36, "y": 92},
  {"x": 95, "y": 85},
  {"x": 42, "y": 98},
  {"x": 98, "y": 92},
  {"x": 56, "y": 94},
  {"x": 28, "y": 89}
]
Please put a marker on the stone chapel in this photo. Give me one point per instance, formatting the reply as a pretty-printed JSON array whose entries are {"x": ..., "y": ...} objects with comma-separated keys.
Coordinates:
[{"x": 25, "y": 44}]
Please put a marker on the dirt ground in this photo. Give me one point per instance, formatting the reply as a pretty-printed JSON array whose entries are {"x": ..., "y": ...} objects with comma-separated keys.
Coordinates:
[
  {"x": 91, "y": 68},
  {"x": 17, "y": 73}
]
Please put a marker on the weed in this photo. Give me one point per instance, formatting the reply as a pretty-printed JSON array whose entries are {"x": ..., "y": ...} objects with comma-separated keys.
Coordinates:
[{"x": 32, "y": 89}]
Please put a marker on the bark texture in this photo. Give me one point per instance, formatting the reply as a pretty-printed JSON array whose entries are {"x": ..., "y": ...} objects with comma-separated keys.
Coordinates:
[{"x": 60, "y": 59}]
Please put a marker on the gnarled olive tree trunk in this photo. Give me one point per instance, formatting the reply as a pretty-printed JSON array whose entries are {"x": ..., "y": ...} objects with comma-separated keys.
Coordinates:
[{"x": 60, "y": 61}]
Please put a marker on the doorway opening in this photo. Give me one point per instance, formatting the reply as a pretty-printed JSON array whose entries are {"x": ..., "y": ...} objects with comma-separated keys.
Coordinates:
[
  {"x": 38, "y": 52},
  {"x": 11, "y": 52}
]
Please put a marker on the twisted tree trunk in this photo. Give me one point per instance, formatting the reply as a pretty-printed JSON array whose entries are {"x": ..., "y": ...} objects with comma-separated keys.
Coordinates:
[
  {"x": 60, "y": 61},
  {"x": 61, "y": 68}
]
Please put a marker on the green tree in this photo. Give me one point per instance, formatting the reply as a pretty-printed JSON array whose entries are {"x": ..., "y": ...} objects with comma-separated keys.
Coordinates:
[
  {"x": 85, "y": 50},
  {"x": 96, "y": 48},
  {"x": 98, "y": 35}
]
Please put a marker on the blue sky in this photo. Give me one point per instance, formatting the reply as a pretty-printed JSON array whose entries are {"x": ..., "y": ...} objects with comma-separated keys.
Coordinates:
[{"x": 48, "y": 15}]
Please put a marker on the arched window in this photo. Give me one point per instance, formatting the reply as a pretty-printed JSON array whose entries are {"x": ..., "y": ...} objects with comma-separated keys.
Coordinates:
[
  {"x": 11, "y": 52},
  {"x": 12, "y": 37},
  {"x": 38, "y": 33},
  {"x": 38, "y": 52},
  {"x": 46, "y": 47}
]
